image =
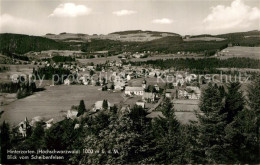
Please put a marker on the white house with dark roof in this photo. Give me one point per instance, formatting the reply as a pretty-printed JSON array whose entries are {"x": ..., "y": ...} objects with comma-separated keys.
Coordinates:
[{"x": 139, "y": 91}]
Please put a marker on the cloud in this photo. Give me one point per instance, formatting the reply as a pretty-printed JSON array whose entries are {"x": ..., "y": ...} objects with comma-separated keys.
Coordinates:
[
  {"x": 9, "y": 23},
  {"x": 124, "y": 12},
  {"x": 70, "y": 10},
  {"x": 162, "y": 21},
  {"x": 237, "y": 15}
]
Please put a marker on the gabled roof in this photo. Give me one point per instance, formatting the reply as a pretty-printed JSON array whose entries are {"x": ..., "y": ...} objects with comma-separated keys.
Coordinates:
[{"x": 134, "y": 89}]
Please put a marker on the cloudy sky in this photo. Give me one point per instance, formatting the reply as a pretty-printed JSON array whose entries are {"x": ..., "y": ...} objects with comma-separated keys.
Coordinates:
[{"x": 38, "y": 17}]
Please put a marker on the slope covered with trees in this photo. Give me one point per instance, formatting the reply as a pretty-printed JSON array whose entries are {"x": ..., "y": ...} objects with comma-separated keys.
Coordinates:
[{"x": 20, "y": 44}]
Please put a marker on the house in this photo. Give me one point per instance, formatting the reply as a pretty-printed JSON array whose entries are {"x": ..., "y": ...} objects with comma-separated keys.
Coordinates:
[
  {"x": 157, "y": 88},
  {"x": 36, "y": 120},
  {"x": 119, "y": 83},
  {"x": 99, "y": 106},
  {"x": 140, "y": 103},
  {"x": 76, "y": 126},
  {"x": 91, "y": 67},
  {"x": 170, "y": 93},
  {"x": 24, "y": 127},
  {"x": 49, "y": 123},
  {"x": 128, "y": 77},
  {"x": 85, "y": 79},
  {"x": 134, "y": 91},
  {"x": 148, "y": 96},
  {"x": 182, "y": 93},
  {"x": 196, "y": 92},
  {"x": 72, "y": 114},
  {"x": 67, "y": 81},
  {"x": 190, "y": 92}
]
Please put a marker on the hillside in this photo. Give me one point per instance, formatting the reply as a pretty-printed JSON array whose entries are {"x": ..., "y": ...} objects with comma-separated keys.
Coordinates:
[
  {"x": 125, "y": 36},
  {"x": 162, "y": 42},
  {"x": 20, "y": 44}
]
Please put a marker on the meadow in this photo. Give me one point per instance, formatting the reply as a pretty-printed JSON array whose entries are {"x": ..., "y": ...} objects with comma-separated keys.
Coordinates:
[
  {"x": 55, "y": 101},
  {"x": 241, "y": 51}
]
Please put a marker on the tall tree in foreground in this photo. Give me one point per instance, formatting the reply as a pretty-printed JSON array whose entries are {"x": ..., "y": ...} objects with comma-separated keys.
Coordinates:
[
  {"x": 234, "y": 101},
  {"x": 167, "y": 134},
  {"x": 211, "y": 126},
  {"x": 254, "y": 109},
  {"x": 234, "y": 138},
  {"x": 5, "y": 141}
]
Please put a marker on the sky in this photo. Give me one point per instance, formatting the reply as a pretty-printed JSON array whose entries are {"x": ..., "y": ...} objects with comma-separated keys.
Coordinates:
[{"x": 185, "y": 17}]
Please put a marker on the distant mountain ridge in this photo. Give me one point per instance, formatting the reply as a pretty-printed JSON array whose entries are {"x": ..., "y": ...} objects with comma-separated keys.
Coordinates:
[
  {"x": 127, "y": 36},
  {"x": 132, "y": 41}
]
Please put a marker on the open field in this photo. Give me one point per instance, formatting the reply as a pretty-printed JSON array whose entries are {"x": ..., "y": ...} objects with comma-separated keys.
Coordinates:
[
  {"x": 241, "y": 51},
  {"x": 204, "y": 39},
  {"x": 15, "y": 69},
  {"x": 55, "y": 101},
  {"x": 186, "y": 105}
]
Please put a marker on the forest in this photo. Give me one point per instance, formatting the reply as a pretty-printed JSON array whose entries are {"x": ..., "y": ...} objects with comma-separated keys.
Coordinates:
[
  {"x": 47, "y": 73},
  {"x": 22, "y": 89},
  {"x": 20, "y": 44},
  {"x": 208, "y": 65},
  {"x": 226, "y": 132}
]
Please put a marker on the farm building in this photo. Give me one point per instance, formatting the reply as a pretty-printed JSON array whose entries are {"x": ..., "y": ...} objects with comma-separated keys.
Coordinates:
[
  {"x": 170, "y": 93},
  {"x": 140, "y": 103},
  {"x": 72, "y": 114},
  {"x": 148, "y": 96},
  {"x": 189, "y": 92},
  {"x": 134, "y": 91}
]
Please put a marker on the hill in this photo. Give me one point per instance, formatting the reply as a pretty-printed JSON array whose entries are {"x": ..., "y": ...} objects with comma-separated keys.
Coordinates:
[
  {"x": 131, "y": 41},
  {"x": 126, "y": 36},
  {"x": 20, "y": 44}
]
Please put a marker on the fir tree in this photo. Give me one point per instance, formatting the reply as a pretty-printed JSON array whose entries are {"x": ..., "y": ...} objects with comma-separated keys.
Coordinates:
[
  {"x": 234, "y": 101},
  {"x": 254, "y": 109},
  {"x": 167, "y": 133},
  {"x": 211, "y": 126},
  {"x": 105, "y": 104},
  {"x": 81, "y": 108}
]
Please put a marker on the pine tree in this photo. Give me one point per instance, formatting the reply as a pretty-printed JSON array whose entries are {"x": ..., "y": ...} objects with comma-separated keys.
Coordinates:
[
  {"x": 81, "y": 108},
  {"x": 254, "y": 109},
  {"x": 234, "y": 101},
  {"x": 167, "y": 133},
  {"x": 211, "y": 126},
  {"x": 105, "y": 104},
  {"x": 5, "y": 141}
]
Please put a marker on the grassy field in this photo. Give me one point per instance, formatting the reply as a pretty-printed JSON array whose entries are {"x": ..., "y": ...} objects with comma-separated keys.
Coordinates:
[
  {"x": 241, "y": 51},
  {"x": 15, "y": 69},
  {"x": 55, "y": 101},
  {"x": 204, "y": 39},
  {"x": 186, "y": 105}
]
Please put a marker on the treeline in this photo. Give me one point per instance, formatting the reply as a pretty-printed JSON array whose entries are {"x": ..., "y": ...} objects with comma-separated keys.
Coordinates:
[
  {"x": 226, "y": 133},
  {"x": 22, "y": 89},
  {"x": 49, "y": 72},
  {"x": 63, "y": 59},
  {"x": 20, "y": 44},
  {"x": 4, "y": 68},
  {"x": 201, "y": 63},
  {"x": 15, "y": 56}
]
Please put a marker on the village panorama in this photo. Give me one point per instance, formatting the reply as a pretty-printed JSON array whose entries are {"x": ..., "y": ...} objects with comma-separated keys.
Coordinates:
[{"x": 130, "y": 96}]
